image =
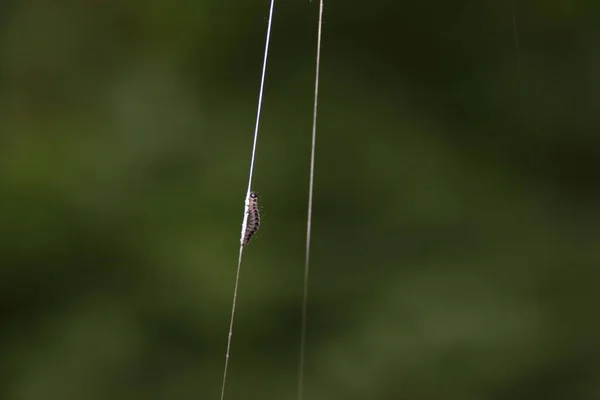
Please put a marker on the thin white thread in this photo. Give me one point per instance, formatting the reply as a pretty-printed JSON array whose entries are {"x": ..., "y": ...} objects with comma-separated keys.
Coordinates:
[
  {"x": 309, "y": 213},
  {"x": 247, "y": 202}
]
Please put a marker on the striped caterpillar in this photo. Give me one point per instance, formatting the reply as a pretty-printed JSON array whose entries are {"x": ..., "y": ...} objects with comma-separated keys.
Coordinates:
[{"x": 253, "y": 218}]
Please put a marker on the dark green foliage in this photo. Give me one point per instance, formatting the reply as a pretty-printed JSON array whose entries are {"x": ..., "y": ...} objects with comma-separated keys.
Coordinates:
[{"x": 456, "y": 231}]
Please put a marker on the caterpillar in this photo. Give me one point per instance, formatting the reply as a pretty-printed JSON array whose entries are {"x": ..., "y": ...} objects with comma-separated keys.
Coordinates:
[{"x": 253, "y": 221}]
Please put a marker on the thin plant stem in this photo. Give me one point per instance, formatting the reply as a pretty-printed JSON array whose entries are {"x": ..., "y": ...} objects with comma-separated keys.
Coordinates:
[{"x": 302, "y": 361}]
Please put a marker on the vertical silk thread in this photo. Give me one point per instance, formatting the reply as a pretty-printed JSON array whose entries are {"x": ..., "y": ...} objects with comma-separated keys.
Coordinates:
[{"x": 247, "y": 202}]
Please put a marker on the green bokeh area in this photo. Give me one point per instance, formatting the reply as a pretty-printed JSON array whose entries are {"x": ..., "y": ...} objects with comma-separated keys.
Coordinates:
[{"x": 456, "y": 224}]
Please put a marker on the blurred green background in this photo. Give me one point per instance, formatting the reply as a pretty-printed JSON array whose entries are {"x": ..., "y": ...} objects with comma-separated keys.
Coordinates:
[{"x": 456, "y": 236}]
